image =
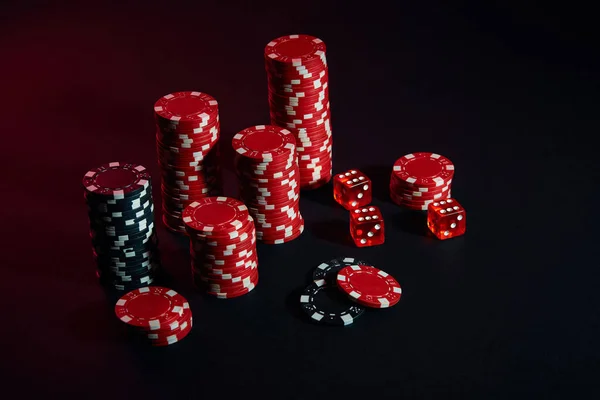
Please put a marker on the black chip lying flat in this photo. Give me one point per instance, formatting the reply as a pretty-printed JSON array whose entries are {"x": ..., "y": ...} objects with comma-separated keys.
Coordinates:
[{"x": 324, "y": 303}]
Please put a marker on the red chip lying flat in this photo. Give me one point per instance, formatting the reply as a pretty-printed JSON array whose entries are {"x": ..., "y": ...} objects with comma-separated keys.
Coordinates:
[{"x": 369, "y": 286}]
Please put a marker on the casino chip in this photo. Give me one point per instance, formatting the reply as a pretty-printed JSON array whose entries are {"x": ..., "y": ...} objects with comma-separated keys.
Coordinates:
[
  {"x": 419, "y": 179},
  {"x": 156, "y": 315},
  {"x": 297, "y": 78},
  {"x": 324, "y": 304},
  {"x": 269, "y": 183},
  {"x": 121, "y": 216},
  {"x": 187, "y": 134},
  {"x": 369, "y": 286},
  {"x": 329, "y": 270},
  {"x": 222, "y": 246}
]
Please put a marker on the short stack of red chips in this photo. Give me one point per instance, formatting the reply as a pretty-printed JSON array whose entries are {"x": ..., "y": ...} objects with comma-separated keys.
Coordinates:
[
  {"x": 154, "y": 314},
  {"x": 299, "y": 101},
  {"x": 187, "y": 133},
  {"x": 222, "y": 246},
  {"x": 419, "y": 179},
  {"x": 269, "y": 184}
]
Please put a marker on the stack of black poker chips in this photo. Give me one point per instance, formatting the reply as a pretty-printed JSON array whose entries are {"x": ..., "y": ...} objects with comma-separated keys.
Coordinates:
[{"x": 122, "y": 231}]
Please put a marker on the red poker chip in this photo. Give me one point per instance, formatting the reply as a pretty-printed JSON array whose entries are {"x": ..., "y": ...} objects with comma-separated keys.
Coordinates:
[
  {"x": 300, "y": 68},
  {"x": 230, "y": 275},
  {"x": 173, "y": 338},
  {"x": 213, "y": 215},
  {"x": 407, "y": 197},
  {"x": 295, "y": 50},
  {"x": 186, "y": 108},
  {"x": 286, "y": 239},
  {"x": 151, "y": 307},
  {"x": 171, "y": 130},
  {"x": 226, "y": 264},
  {"x": 424, "y": 169},
  {"x": 369, "y": 286},
  {"x": 231, "y": 291},
  {"x": 264, "y": 142},
  {"x": 232, "y": 287},
  {"x": 176, "y": 326},
  {"x": 231, "y": 270}
]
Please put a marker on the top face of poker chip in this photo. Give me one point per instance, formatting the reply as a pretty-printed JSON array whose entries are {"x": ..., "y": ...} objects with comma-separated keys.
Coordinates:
[
  {"x": 424, "y": 169},
  {"x": 328, "y": 270},
  {"x": 215, "y": 215},
  {"x": 186, "y": 107},
  {"x": 369, "y": 286},
  {"x": 116, "y": 180},
  {"x": 295, "y": 48},
  {"x": 264, "y": 142},
  {"x": 151, "y": 307}
]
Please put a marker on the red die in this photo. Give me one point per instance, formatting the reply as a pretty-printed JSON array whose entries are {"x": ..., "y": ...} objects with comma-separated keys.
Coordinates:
[
  {"x": 446, "y": 218},
  {"x": 352, "y": 189},
  {"x": 366, "y": 226}
]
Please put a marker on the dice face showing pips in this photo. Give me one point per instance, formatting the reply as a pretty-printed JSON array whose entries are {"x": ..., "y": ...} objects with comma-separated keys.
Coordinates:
[
  {"x": 352, "y": 189},
  {"x": 446, "y": 219},
  {"x": 367, "y": 227}
]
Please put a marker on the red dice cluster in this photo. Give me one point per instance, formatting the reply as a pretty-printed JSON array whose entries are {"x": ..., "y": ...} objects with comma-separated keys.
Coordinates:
[
  {"x": 422, "y": 181},
  {"x": 428, "y": 176},
  {"x": 352, "y": 190}
]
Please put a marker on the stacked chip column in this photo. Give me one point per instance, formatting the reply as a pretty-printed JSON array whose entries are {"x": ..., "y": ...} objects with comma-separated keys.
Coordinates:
[
  {"x": 268, "y": 175},
  {"x": 299, "y": 101},
  {"x": 121, "y": 214},
  {"x": 222, "y": 246},
  {"x": 187, "y": 133}
]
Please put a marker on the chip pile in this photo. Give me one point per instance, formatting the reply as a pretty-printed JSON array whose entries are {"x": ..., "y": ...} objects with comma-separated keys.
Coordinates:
[
  {"x": 419, "y": 179},
  {"x": 222, "y": 246},
  {"x": 297, "y": 77},
  {"x": 121, "y": 215},
  {"x": 343, "y": 287},
  {"x": 187, "y": 134},
  {"x": 267, "y": 170},
  {"x": 156, "y": 315}
]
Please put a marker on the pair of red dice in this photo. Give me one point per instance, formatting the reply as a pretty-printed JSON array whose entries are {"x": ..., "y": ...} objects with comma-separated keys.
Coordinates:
[{"x": 352, "y": 190}]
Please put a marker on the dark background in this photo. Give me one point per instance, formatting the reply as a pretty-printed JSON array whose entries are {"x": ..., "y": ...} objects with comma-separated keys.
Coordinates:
[{"x": 508, "y": 92}]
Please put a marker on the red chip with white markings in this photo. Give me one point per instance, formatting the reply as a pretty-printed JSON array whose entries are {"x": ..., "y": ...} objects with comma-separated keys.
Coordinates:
[
  {"x": 151, "y": 307},
  {"x": 424, "y": 169},
  {"x": 215, "y": 215},
  {"x": 186, "y": 107},
  {"x": 369, "y": 286},
  {"x": 264, "y": 142}
]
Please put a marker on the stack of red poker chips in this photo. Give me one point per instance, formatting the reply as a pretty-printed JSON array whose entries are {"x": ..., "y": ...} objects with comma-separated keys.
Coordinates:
[
  {"x": 154, "y": 314},
  {"x": 222, "y": 246},
  {"x": 268, "y": 174},
  {"x": 187, "y": 137},
  {"x": 419, "y": 179},
  {"x": 299, "y": 101}
]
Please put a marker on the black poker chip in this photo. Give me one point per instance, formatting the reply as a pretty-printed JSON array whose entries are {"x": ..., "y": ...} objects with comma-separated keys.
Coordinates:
[
  {"x": 131, "y": 205},
  {"x": 324, "y": 303},
  {"x": 119, "y": 216},
  {"x": 328, "y": 270}
]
